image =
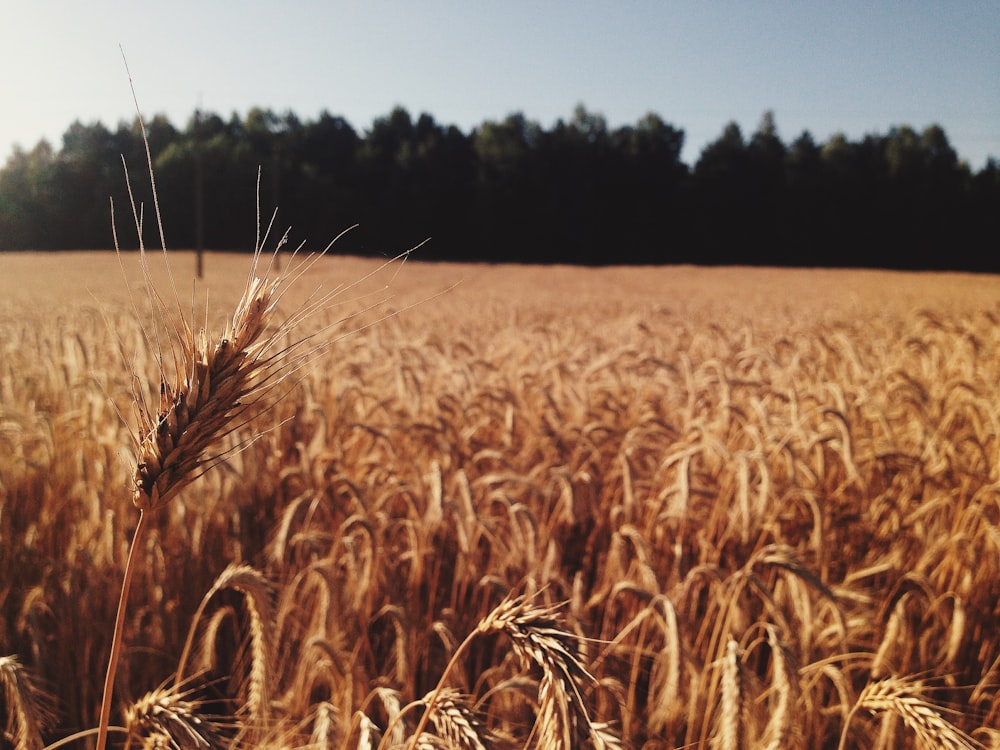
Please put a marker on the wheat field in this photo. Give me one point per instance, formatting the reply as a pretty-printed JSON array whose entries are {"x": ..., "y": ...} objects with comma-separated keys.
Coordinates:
[{"x": 516, "y": 507}]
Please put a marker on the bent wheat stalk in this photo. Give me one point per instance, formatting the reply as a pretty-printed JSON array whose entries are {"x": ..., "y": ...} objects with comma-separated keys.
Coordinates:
[{"x": 563, "y": 720}]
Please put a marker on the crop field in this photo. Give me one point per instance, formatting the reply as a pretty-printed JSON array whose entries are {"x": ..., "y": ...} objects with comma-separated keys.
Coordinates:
[{"x": 501, "y": 507}]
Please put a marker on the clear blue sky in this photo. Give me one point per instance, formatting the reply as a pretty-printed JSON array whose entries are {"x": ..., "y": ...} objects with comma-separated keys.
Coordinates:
[{"x": 855, "y": 67}]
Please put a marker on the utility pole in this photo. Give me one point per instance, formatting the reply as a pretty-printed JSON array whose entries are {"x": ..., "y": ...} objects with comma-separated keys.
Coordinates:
[
  {"x": 275, "y": 163},
  {"x": 199, "y": 197}
]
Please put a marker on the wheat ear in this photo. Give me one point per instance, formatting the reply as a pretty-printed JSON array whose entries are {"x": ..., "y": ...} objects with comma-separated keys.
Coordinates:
[
  {"x": 455, "y": 723},
  {"x": 533, "y": 630},
  {"x": 905, "y": 698},
  {"x": 216, "y": 384},
  {"x": 166, "y": 717},
  {"x": 779, "y": 724},
  {"x": 729, "y": 732},
  {"x": 29, "y": 709}
]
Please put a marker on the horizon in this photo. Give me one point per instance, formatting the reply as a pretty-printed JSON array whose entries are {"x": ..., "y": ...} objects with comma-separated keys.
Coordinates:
[{"x": 823, "y": 68}]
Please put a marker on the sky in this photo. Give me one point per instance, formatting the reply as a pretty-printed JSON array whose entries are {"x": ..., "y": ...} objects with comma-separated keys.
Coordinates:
[{"x": 826, "y": 67}]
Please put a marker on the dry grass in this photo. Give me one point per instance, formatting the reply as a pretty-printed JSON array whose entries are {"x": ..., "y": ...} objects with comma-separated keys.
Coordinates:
[{"x": 767, "y": 499}]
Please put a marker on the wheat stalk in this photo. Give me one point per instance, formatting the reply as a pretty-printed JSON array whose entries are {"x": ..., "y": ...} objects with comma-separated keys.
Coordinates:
[
  {"x": 257, "y": 597},
  {"x": 217, "y": 387}
]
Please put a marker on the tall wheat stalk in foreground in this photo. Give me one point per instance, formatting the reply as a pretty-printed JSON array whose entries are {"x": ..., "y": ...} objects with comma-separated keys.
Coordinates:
[
  {"x": 209, "y": 388},
  {"x": 214, "y": 386}
]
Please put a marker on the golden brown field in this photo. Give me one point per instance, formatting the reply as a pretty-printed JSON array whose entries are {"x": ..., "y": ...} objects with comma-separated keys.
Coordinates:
[{"x": 748, "y": 509}]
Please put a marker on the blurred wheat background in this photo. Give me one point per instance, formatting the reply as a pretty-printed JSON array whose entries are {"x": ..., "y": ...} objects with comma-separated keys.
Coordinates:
[{"x": 760, "y": 508}]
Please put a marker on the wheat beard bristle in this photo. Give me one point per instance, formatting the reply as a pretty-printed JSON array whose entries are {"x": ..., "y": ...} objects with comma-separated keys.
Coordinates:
[{"x": 215, "y": 384}]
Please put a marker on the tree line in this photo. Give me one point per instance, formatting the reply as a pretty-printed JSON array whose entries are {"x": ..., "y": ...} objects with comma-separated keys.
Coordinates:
[{"x": 512, "y": 190}]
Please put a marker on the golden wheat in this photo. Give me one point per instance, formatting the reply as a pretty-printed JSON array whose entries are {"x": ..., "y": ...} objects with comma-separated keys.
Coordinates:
[{"x": 817, "y": 488}]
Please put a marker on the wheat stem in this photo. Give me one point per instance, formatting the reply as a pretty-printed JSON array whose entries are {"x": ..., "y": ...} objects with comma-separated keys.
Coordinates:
[
  {"x": 80, "y": 735},
  {"x": 116, "y": 639}
]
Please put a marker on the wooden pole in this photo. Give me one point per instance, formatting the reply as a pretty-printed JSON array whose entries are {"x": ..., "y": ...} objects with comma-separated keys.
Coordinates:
[{"x": 199, "y": 198}]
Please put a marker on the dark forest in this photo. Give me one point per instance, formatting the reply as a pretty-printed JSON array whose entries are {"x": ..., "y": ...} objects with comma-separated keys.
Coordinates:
[{"x": 513, "y": 191}]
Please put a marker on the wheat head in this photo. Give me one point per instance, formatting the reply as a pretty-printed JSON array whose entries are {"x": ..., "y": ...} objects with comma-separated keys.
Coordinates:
[
  {"x": 29, "y": 709},
  {"x": 455, "y": 723},
  {"x": 167, "y": 717},
  {"x": 906, "y": 699},
  {"x": 215, "y": 385}
]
